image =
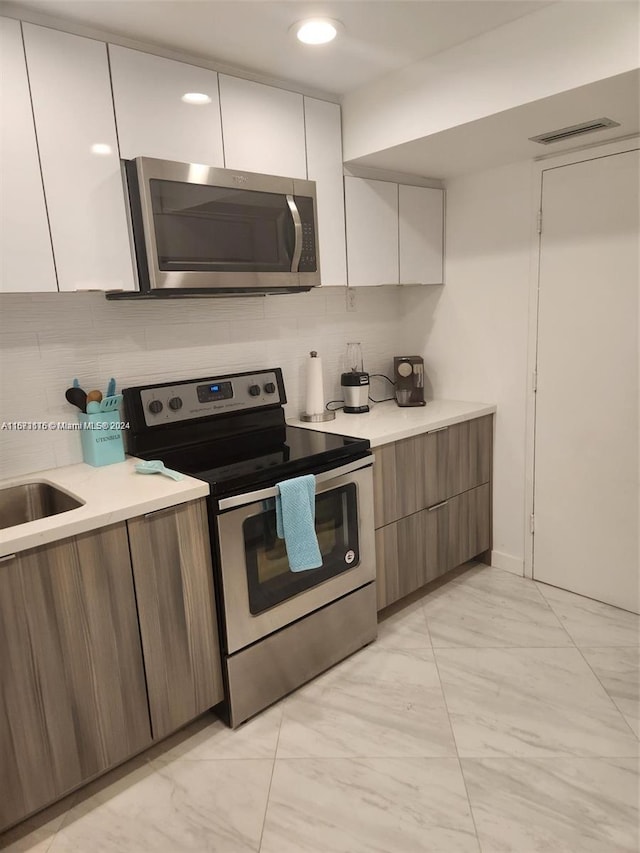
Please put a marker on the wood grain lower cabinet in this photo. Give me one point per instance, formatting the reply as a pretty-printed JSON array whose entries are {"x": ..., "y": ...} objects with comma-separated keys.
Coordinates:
[
  {"x": 469, "y": 525},
  {"x": 171, "y": 559},
  {"x": 410, "y": 475},
  {"x": 71, "y": 672},
  {"x": 421, "y": 471},
  {"x": 469, "y": 454},
  {"x": 432, "y": 505},
  {"x": 410, "y": 553}
]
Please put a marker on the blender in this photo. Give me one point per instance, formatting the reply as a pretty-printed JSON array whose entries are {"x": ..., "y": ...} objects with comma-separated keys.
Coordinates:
[{"x": 355, "y": 382}]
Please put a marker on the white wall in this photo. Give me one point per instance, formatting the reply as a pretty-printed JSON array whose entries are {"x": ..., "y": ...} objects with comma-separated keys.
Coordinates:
[
  {"x": 473, "y": 331},
  {"x": 558, "y": 48},
  {"x": 46, "y": 340}
]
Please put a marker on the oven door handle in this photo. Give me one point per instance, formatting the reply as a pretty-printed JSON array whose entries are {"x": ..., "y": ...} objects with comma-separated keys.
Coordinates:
[{"x": 272, "y": 492}]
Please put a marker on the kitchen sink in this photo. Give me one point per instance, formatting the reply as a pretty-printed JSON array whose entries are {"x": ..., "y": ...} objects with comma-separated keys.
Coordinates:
[{"x": 30, "y": 501}]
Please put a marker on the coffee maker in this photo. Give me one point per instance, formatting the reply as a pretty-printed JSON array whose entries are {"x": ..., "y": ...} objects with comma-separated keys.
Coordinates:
[
  {"x": 408, "y": 375},
  {"x": 355, "y": 382}
]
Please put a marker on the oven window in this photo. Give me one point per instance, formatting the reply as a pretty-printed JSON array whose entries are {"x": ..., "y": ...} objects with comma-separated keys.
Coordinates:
[
  {"x": 270, "y": 581},
  {"x": 202, "y": 228}
]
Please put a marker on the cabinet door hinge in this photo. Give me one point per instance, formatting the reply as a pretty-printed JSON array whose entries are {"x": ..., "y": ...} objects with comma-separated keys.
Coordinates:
[
  {"x": 534, "y": 381},
  {"x": 532, "y": 523},
  {"x": 539, "y": 222}
]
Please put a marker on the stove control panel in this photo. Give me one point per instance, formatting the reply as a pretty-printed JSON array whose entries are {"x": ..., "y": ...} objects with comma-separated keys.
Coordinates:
[{"x": 186, "y": 401}]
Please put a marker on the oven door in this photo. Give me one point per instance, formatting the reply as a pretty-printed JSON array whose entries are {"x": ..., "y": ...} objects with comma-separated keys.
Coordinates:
[{"x": 260, "y": 593}]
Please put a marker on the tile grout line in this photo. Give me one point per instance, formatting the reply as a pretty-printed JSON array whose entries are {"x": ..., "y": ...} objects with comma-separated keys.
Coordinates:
[
  {"x": 453, "y": 734},
  {"x": 553, "y": 612},
  {"x": 595, "y": 601},
  {"x": 273, "y": 768},
  {"x": 611, "y": 699}
]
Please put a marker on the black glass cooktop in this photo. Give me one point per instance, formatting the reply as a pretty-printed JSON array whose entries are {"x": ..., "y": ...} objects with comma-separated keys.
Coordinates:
[{"x": 242, "y": 463}]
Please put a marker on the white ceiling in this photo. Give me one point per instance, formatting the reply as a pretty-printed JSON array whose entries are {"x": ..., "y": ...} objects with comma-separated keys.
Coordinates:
[
  {"x": 380, "y": 35},
  {"x": 504, "y": 137}
]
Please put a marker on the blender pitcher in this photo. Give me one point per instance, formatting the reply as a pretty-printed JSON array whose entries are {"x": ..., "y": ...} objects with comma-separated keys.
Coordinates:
[{"x": 355, "y": 382}]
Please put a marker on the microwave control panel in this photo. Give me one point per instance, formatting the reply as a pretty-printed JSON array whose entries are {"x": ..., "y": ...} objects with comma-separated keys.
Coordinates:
[
  {"x": 308, "y": 260},
  {"x": 187, "y": 401}
]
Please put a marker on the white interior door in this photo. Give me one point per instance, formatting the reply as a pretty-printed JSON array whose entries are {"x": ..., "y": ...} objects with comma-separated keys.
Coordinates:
[{"x": 586, "y": 442}]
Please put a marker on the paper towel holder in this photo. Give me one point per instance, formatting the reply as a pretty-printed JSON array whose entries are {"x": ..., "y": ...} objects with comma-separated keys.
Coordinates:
[{"x": 327, "y": 415}]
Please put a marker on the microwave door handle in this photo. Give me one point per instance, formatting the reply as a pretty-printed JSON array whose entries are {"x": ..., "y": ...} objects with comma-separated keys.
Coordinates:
[{"x": 297, "y": 224}]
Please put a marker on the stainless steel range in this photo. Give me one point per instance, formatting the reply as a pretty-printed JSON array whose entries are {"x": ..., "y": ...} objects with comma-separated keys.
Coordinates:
[{"x": 278, "y": 628}]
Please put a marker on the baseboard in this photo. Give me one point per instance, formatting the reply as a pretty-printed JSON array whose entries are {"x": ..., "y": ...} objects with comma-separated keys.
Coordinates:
[{"x": 508, "y": 562}]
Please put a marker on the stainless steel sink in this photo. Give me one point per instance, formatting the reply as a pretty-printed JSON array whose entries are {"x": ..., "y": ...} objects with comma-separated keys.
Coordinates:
[{"x": 29, "y": 501}]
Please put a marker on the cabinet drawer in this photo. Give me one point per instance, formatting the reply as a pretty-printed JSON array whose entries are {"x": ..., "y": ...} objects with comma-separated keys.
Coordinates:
[
  {"x": 418, "y": 472},
  {"x": 421, "y": 547},
  {"x": 410, "y": 553},
  {"x": 409, "y": 475},
  {"x": 469, "y": 452},
  {"x": 469, "y": 525}
]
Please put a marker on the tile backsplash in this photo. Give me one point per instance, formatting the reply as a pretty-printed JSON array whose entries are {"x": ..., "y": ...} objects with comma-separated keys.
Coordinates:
[{"x": 47, "y": 339}]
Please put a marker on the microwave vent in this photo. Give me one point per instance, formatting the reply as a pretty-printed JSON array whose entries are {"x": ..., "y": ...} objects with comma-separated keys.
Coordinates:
[{"x": 574, "y": 130}]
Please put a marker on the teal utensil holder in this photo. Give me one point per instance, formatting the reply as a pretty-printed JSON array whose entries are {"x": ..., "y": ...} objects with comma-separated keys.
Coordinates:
[{"x": 101, "y": 438}]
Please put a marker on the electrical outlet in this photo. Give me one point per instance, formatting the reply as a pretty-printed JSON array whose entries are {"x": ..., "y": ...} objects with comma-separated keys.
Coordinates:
[{"x": 351, "y": 299}]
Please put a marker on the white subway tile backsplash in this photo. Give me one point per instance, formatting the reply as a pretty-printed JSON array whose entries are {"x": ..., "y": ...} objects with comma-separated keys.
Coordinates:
[
  {"x": 163, "y": 336},
  {"x": 47, "y": 339},
  {"x": 308, "y": 304}
]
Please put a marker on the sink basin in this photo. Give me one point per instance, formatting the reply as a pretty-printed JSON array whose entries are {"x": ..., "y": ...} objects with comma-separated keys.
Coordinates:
[{"x": 29, "y": 501}]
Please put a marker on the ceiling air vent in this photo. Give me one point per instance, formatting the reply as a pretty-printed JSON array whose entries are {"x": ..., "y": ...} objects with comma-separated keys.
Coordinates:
[{"x": 574, "y": 130}]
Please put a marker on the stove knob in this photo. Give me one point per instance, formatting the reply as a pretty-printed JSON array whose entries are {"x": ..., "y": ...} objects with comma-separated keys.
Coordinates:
[
  {"x": 254, "y": 390},
  {"x": 175, "y": 403},
  {"x": 155, "y": 407},
  {"x": 269, "y": 388}
]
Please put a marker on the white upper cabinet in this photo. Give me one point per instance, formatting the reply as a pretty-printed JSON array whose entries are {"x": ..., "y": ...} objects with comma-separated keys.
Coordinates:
[
  {"x": 25, "y": 247},
  {"x": 152, "y": 118},
  {"x": 372, "y": 231},
  {"x": 75, "y": 128},
  {"x": 263, "y": 128},
  {"x": 324, "y": 165},
  {"x": 420, "y": 234},
  {"x": 394, "y": 233}
]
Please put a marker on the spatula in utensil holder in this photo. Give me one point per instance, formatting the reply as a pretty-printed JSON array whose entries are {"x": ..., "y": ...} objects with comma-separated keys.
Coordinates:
[{"x": 101, "y": 438}]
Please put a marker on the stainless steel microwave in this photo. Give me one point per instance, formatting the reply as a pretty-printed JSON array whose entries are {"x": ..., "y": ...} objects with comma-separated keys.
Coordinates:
[{"x": 200, "y": 231}]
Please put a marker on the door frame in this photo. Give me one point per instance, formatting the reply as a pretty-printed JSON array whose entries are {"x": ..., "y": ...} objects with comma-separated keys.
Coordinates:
[{"x": 539, "y": 166}]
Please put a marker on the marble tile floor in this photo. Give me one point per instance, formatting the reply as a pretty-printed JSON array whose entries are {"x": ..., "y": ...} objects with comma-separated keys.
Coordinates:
[{"x": 492, "y": 715}]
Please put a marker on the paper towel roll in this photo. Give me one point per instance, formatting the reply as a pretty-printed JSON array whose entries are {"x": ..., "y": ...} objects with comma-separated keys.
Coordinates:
[{"x": 315, "y": 391}]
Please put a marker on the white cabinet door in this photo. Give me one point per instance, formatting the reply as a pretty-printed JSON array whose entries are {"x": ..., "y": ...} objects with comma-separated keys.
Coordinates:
[
  {"x": 152, "y": 118},
  {"x": 263, "y": 128},
  {"x": 75, "y": 127},
  {"x": 324, "y": 165},
  {"x": 420, "y": 234},
  {"x": 25, "y": 247},
  {"x": 372, "y": 231}
]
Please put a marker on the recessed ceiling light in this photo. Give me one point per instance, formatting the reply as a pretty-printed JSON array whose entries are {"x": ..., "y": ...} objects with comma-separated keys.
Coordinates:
[
  {"x": 197, "y": 98},
  {"x": 316, "y": 30}
]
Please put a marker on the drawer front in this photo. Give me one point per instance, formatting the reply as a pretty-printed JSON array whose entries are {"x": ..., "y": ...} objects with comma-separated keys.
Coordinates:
[
  {"x": 411, "y": 552},
  {"x": 417, "y": 549},
  {"x": 469, "y": 452},
  {"x": 410, "y": 475},
  {"x": 469, "y": 524}
]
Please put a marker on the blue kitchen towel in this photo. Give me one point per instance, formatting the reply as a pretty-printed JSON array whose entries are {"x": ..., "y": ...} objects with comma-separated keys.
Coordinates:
[{"x": 296, "y": 522}]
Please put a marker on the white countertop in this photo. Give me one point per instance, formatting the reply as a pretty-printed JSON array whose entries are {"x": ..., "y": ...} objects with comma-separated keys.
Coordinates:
[
  {"x": 111, "y": 493},
  {"x": 387, "y": 422}
]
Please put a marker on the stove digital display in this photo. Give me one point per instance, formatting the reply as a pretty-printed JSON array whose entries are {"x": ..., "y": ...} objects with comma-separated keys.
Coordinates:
[{"x": 215, "y": 391}]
